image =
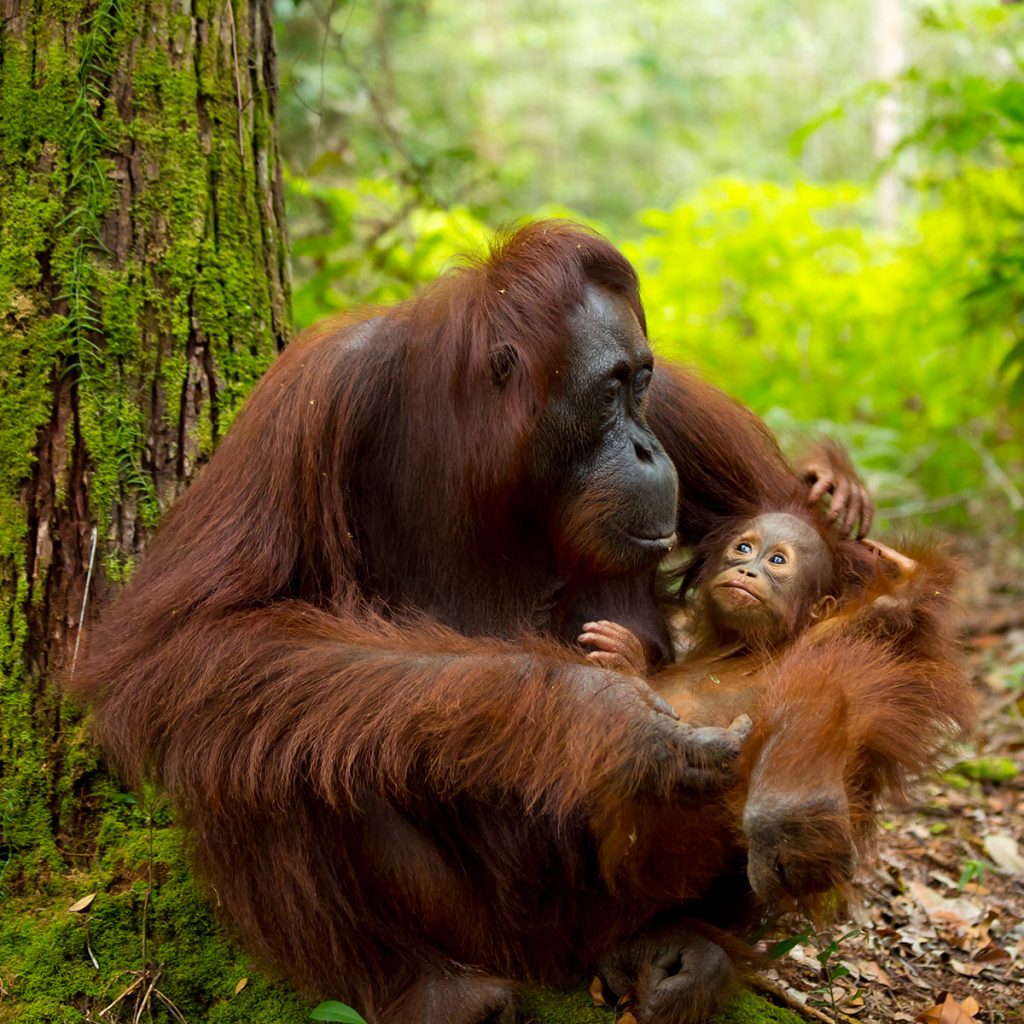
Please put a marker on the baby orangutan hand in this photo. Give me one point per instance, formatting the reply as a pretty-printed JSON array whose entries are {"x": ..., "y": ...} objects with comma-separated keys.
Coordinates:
[
  {"x": 615, "y": 648},
  {"x": 903, "y": 563}
]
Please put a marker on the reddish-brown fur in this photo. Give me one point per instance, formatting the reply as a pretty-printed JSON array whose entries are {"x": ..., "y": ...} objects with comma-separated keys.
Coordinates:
[
  {"x": 339, "y": 655},
  {"x": 846, "y": 715}
]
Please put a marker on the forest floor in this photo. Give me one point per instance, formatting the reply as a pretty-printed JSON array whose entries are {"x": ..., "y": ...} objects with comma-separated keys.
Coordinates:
[{"x": 938, "y": 934}]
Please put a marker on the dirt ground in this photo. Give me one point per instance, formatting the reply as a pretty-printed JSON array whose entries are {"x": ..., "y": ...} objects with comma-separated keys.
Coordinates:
[{"x": 939, "y": 933}]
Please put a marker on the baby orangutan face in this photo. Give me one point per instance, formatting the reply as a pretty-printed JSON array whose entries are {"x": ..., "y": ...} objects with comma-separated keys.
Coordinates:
[{"x": 769, "y": 582}]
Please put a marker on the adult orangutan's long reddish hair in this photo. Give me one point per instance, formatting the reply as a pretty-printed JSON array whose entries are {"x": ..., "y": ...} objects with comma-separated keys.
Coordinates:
[{"x": 340, "y": 655}]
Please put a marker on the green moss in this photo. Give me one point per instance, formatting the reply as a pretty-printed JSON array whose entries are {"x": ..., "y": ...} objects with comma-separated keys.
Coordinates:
[
  {"x": 747, "y": 1008},
  {"x": 541, "y": 1006},
  {"x": 142, "y": 885},
  {"x": 132, "y": 280}
]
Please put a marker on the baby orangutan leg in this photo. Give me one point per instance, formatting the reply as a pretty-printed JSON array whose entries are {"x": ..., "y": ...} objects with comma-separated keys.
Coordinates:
[
  {"x": 452, "y": 998},
  {"x": 669, "y": 974},
  {"x": 615, "y": 648}
]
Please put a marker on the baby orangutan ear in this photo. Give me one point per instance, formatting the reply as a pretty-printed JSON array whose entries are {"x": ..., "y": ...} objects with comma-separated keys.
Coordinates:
[{"x": 824, "y": 607}]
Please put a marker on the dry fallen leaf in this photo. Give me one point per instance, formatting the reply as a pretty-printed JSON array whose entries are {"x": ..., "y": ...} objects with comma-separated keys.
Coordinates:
[
  {"x": 854, "y": 1005},
  {"x": 872, "y": 971},
  {"x": 83, "y": 904},
  {"x": 948, "y": 1012},
  {"x": 993, "y": 955},
  {"x": 597, "y": 992},
  {"x": 939, "y": 909},
  {"x": 967, "y": 970},
  {"x": 627, "y": 1018},
  {"x": 1005, "y": 854},
  {"x": 242, "y": 982}
]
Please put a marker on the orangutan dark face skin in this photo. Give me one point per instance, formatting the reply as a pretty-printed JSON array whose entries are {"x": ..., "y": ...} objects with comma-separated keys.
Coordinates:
[{"x": 770, "y": 580}]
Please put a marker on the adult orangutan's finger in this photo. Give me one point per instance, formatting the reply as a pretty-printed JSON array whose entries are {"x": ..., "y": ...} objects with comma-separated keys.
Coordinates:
[
  {"x": 741, "y": 727},
  {"x": 867, "y": 516},
  {"x": 840, "y": 496},
  {"x": 665, "y": 708},
  {"x": 853, "y": 510},
  {"x": 822, "y": 485}
]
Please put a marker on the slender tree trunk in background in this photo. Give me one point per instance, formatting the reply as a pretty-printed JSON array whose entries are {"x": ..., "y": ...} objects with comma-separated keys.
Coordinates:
[
  {"x": 143, "y": 289},
  {"x": 890, "y": 61}
]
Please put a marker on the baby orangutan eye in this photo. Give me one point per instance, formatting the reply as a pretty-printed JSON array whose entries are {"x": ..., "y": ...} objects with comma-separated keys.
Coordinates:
[
  {"x": 744, "y": 547},
  {"x": 778, "y": 559}
]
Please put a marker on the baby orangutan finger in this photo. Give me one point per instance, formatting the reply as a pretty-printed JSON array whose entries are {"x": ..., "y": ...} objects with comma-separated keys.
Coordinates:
[
  {"x": 611, "y": 660},
  {"x": 665, "y": 708},
  {"x": 741, "y": 727},
  {"x": 905, "y": 564},
  {"x": 614, "y": 639}
]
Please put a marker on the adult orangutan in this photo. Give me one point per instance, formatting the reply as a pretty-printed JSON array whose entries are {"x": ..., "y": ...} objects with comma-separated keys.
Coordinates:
[
  {"x": 845, "y": 654},
  {"x": 344, "y": 653}
]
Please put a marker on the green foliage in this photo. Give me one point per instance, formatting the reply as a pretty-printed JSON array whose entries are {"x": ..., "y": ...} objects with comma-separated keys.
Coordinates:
[
  {"x": 970, "y": 138},
  {"x": 833, "y": 998},
  {"x": 787, "y": 298},
  {"x": 974, "y": 871},
  {"x": 335, "y": 1011},
  {"x": 603, "y": 106},
  {"x": 985, "y": 769},
  {"x": 908, "y": 346},
  {"x": 370, "y": 244}
]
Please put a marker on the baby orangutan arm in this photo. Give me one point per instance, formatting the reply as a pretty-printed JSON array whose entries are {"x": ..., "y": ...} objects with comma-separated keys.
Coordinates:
[
  {"x": 615, "y": 648},
  {"x": 911, "y": 603}
]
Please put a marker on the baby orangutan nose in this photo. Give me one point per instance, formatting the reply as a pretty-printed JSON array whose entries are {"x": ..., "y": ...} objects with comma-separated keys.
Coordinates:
[{"x": 798, "y": 848}]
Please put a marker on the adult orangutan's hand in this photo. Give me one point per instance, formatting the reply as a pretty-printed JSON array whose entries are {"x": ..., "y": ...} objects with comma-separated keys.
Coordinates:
[{"x": 829, "y": 471}]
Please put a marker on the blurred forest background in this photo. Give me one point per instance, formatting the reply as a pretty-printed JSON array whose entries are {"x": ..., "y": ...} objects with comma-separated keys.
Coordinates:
[{"x": 825, "y": 200}]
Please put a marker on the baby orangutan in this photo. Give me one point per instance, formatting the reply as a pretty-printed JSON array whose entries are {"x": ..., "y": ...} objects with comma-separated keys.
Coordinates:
[
  {"x": 844, "y": 653},
  {"x": 770, "y": 583}
]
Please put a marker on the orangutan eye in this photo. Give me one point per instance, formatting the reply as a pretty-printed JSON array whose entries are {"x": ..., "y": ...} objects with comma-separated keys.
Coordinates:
[
  {"x": 744, "y": 548},
  {"x": 642, "y": 382},
  {"x": 777, "y": 559},
  {"x": 611, "y": 390}
]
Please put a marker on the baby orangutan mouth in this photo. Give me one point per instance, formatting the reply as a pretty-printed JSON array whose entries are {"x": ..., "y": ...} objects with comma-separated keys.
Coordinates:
[{"x": 737, "y": 594}]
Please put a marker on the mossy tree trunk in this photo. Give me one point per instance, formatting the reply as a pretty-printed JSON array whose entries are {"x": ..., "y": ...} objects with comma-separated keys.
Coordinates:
[{"x": 143, "y": 289}]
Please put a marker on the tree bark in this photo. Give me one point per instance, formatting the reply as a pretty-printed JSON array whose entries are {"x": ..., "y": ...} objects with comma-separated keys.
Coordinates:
[{"x": 143, "y": 289}]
